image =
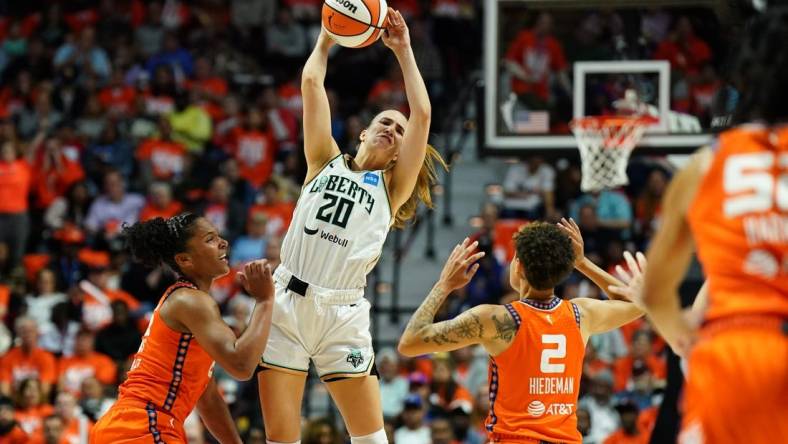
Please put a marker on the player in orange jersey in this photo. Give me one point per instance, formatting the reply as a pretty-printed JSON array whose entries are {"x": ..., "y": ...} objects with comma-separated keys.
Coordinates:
[
  {"x": 731, "y": 203},
  {"x": 536, "y": 344},
  {"x": 171, "y": 372}
]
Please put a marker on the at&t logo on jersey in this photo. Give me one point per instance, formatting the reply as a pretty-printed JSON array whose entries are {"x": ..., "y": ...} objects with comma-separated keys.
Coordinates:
[{"x": 537, "y": 409}]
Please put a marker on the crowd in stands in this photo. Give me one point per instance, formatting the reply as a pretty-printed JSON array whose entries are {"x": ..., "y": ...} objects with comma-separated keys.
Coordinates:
[
  {"x": 116, "y": 111},
  {"x": 538, "y": 58}
]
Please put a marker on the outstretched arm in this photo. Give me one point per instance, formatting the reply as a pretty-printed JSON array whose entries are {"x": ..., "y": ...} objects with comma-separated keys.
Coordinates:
[
  {"x": 216, "y": 416},
  {"x": 319, "y": 146},
  {"x": 670, "y": 254},
  {"x": 414, "y": 141}
]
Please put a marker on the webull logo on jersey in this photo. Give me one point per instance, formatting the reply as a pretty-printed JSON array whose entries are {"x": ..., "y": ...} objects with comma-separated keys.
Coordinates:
[
  {"x": 333, "y": 238},
  {"x": 537, "y": 409},
  {"x": 348, "y": 187}
]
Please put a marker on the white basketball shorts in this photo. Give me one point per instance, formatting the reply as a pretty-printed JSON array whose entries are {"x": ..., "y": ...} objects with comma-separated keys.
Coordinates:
[{"x": 335, "y": 337}]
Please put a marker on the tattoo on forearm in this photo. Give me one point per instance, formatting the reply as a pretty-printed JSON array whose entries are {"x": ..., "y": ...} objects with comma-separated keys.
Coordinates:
[
  {"x": 462, "y": 327},
  {"x": 505, "y": 328},
  {"x": 466, "y": 326},
  {"x": 425, "y": 314}
]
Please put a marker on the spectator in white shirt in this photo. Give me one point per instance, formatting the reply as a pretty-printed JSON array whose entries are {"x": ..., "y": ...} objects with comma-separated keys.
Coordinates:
[
  {"x": 413, "y": 431},
  {"x": 600, "y": 406},
  {"x": 393, "y": 387},
  {"x": 529, "y": 190},
  {"x": 110, "y": 210}
]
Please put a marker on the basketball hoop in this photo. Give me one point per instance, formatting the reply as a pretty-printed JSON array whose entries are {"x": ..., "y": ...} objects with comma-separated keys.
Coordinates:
[{"x": 605, "y": 143}]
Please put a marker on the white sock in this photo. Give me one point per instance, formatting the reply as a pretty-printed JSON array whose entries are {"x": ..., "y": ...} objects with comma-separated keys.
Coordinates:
[{"x": 378, "y": 437}]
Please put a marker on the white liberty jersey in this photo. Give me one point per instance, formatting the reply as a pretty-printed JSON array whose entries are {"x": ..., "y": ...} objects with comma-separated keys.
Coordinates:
[{"x": 339, "y": 227}]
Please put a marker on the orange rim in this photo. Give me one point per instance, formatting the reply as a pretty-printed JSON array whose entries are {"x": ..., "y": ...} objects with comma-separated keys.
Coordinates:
[{"x": 591, "y": 122}]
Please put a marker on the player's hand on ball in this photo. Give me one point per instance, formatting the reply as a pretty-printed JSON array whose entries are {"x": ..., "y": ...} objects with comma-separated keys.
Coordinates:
[
  {"x": 633, "y": 278},
  {"x": 461, "y": 265},
  {"x": 396, "y": 35},
  {"x": 324, "y": 40},
  {"x": 257, "y": 280}
]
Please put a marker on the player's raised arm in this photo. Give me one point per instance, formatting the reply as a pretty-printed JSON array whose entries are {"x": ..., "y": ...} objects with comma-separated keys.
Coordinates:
[
  {"x": 414, "y": 141},
  {"x": 600, "y": 316},
  {"x": 421, "y": 334},
  {"x": 598, "y": 276},
  {"x": 670, "y": 254},
  {"x": 319, "y": 146},
  {"x": 198, "y": 312}
]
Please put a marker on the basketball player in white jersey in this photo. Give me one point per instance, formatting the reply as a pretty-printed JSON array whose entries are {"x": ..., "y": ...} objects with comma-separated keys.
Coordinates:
[{"x": 346, "y": 208}]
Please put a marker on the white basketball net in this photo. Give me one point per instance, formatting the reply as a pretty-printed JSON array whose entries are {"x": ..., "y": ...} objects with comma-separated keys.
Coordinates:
[{"x": 605, "y": 144}]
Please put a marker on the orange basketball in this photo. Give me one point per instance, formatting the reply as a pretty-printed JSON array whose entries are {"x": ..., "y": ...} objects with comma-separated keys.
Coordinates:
[{"x": 354, "y": 23}]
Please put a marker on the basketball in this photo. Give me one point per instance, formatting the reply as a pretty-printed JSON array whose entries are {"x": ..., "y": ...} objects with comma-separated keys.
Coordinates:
[{"x": 354, "y": 23}]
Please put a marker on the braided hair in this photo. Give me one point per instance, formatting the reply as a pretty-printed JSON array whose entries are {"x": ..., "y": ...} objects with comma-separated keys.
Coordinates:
[
  {"x": 760, "y": 68},
  {"x": 157, "y": 241}
]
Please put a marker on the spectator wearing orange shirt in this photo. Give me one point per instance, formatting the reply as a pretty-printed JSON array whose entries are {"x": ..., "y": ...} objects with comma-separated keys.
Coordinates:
[
  {"x": 686, "y": 52},
  {"x": 206, "y": 81},
  {"x": 629, "y": 432},
  {"x": 27, "y": 360},
  {"x": 161, "y": 157},
  {"x": 15, "y": 184},
  {"x": 10, "y": 432},
  {"x": 641, "y": 353},
  {"x": 54, "y": 173},
  {"x": 389, "y": 92},
  {"x": 281, "y": 120},
  {"x": 278, "y": 211},
  {"x": 117, "y": 97},
  {"x": 254, "y": 147},
  {"x": 31, "y": 409},
  {"x": 210, "y": 87},
  {"x": 533, "y": 58},
  {"x": 160, "y": 202},
  {"x": 445, "y": 391},
  {"x": 85, "y": 363}
]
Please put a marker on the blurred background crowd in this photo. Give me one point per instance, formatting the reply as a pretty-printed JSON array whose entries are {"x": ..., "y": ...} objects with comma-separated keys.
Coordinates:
[
  {"x": 116, "y": 111},
  {"x": 540, "y": 48}
]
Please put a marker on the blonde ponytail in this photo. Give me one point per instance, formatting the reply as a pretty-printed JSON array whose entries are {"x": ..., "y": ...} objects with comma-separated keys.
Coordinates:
[{"x": 422, "y": 190}]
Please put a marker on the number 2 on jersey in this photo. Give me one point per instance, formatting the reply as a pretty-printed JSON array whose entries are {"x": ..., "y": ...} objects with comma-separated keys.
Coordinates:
[
  {"x": 335, "y": 210},
  {"x": 558, "y": 352}
]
